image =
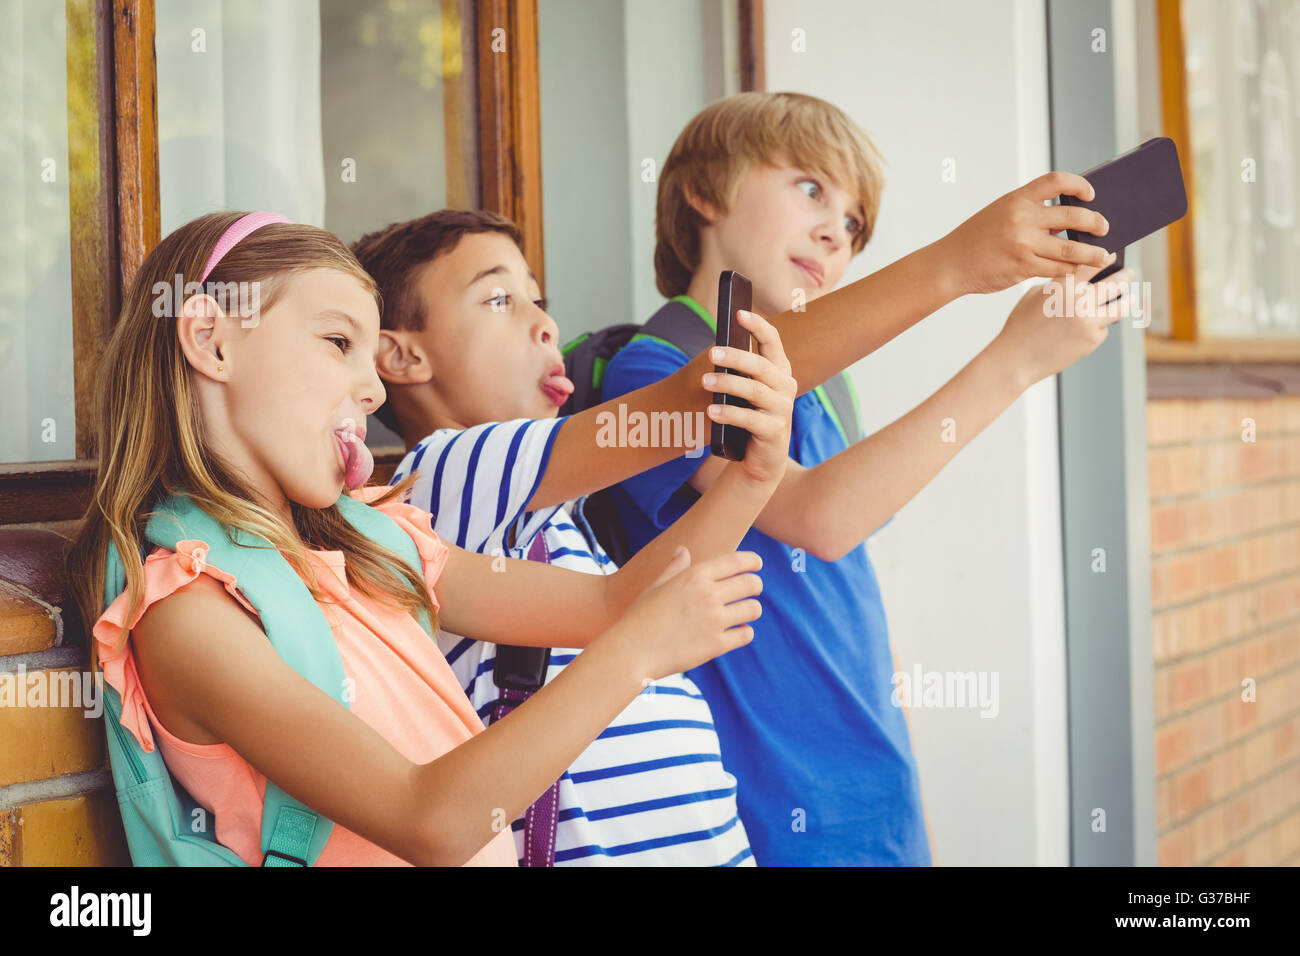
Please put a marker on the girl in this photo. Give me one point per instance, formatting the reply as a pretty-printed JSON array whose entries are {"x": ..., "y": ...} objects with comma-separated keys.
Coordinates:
[{"x": 251, "y": 413}]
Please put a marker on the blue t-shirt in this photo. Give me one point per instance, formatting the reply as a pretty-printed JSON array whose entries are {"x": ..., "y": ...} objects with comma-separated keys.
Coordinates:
[{"x": 823, "y": 757}]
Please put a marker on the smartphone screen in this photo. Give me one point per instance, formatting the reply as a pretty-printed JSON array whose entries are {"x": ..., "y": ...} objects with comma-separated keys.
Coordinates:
[{"x": 734, "y": 293}]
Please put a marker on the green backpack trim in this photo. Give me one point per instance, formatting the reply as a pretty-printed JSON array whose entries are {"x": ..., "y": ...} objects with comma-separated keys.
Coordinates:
[
  {"x": 699, "y": 310},
  {"x": 157, "y": 813},
  {"x": 570, "y": 346}
]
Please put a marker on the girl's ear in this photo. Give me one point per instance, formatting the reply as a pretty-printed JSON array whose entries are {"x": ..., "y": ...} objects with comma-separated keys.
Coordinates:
[
  {"x": 403, "y": 359},
  {"x": 202, "y": 336}
]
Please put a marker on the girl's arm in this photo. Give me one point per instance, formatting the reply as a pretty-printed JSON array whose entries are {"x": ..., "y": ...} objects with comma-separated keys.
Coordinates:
[
  {"x": 522, "y": 602},
  {"x": 205, "y": 662},
  {"x": 1006, "y": 242},
  {"x": 509, "y": 601}
]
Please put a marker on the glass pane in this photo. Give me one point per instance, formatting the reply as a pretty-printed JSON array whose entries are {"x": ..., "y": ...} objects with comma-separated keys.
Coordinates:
[
  {"x": 347, "y": 114},
  {"x": 612, "y": 106},
  {"x": 37, "y": 408},
  {"x": 1243, "y": 100},
  {"x": 343, "y": 113}
]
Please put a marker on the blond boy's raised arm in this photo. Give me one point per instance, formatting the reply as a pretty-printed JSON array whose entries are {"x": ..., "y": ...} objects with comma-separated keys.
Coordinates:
[{"x": 1006, "y": 242}]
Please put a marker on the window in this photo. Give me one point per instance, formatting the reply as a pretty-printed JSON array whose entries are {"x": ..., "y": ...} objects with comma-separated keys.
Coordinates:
[
  {"x": 1230, "y": 76},
  {"x": 262, "y": 105},
  {"x": 68, "y": 230},
  {"x": 1244, "y": 119},
  {"x": 347, "y": 114},
  {"x": 37, "y": 404}
]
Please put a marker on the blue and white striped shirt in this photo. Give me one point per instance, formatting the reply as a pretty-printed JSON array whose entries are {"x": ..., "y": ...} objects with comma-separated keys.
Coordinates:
[{"x": 651, "y": 789}]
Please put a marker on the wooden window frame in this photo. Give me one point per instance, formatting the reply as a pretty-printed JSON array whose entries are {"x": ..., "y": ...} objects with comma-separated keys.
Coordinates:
[
  {"x": 115, "y": 195},
  {"x": 1185, "y": 345},
  {"x": 510, "y": 121},
  {"x": 753, "y": 55},
  {"x": 109, "y": 190}
]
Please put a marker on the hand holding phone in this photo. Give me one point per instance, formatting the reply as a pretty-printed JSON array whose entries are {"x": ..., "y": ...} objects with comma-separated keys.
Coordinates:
[
  {"x": 735, "y": 293},
  {"x": 1138, "y": 192}
]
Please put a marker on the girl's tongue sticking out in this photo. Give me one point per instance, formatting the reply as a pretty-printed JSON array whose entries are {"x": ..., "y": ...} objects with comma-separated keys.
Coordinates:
[{"x": 358, "y": 463}]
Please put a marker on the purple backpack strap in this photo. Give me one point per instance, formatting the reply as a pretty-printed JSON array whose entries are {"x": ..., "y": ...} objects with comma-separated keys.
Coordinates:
[{"x": 541, "y": 818}]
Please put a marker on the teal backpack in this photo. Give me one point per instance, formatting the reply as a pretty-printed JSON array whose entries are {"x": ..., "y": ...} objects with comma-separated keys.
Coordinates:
[{"x": 159, "y": 816}]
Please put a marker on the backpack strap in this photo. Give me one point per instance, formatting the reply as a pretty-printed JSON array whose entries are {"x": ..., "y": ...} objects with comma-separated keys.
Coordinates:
[
  {"x": 292, "y": 834},
  {"x": 606, "y": 526},
  {"x": 290, "y": 843},
  {"x": 383, "y": 530},
  {"x": 840, "y": 399},
  {"x": 585, "y": 359},
  {"x": 527, "y": 668},
  {"x": 157, "y": 813},
  {"x": 685, "y": 325},
  {"x": 679, "y": 323},
  {"x": 156, "y": 810},
  {"x": 289, "y": 830}
]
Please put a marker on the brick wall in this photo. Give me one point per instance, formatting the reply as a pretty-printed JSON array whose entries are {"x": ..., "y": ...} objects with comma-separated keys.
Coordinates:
[
  {"x": 1225, "y": 588},
  {"x": 57, "y": 803}
]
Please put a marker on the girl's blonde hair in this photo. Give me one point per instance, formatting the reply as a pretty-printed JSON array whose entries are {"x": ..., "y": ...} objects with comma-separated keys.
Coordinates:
[
  {"x": 726, "y": 138},
  {"x": 150, "y": 438}
]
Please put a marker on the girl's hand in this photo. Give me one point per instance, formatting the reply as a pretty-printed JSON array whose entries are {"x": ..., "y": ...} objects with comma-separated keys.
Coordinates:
[
  {"x": 691, "y": 614},
  {"x": 770, "y": 390},
  {"x": 1059, "y": 322}
]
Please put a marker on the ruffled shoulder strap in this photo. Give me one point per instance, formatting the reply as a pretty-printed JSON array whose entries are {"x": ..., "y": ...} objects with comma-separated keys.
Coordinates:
[
  {"x": 165, "y": 572},
  {"x": 418, "y": 524}
]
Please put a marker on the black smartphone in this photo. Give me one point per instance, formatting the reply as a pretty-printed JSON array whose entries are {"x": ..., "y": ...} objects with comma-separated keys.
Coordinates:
[
  {"x": 1138, "y": 192},
  {"x": 734, "y": 293}
]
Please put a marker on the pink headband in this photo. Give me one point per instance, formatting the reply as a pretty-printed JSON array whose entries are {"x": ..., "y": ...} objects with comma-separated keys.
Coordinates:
[{"x": 241, "y": 228}]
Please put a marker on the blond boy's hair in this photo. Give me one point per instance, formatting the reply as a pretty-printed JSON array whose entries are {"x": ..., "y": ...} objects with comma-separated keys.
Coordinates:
[{"x": 726, "y": 138}]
